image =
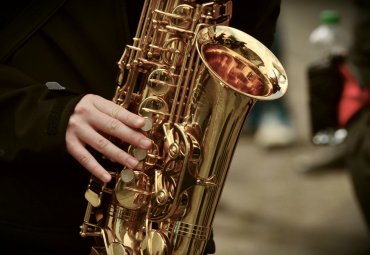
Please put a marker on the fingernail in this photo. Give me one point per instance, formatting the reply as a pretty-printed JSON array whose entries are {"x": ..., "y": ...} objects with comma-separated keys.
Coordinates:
[
  {"x": 132, "y": 163},
  {"x": 140, "y": 122},
  {"x": 146, "y": 143},
  {"x": 106, "y": 177}
]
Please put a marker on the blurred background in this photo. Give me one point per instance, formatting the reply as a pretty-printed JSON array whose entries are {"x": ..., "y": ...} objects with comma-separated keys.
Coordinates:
[{"x": 286, "y": 199}]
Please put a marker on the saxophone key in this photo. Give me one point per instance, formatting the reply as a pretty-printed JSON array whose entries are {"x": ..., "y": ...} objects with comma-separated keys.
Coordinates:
[
  {"x": 139, "y": 154},
  {"x": 148, "y": 124},
  {"x": 134, "y": 194},
  {"x": 127, "y": 176}
]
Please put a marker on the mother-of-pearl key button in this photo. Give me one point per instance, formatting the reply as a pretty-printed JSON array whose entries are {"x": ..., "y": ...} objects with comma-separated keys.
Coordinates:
[
  {"x": 139, "y": 154},
  {"x": 148, "y": 124},
  {"x": 127, "y": 175}
]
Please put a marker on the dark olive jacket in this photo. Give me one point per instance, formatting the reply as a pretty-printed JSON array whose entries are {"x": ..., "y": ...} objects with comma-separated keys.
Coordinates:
[{"x": 76, "y": 44}]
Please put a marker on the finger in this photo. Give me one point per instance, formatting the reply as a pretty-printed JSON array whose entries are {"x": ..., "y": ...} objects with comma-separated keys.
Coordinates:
[
  {"x": 120, "y": 113},
  {"x": 84, "y": 157},
  {"x": 115, "y": 128},
  {"x": 107, "y": 148}
]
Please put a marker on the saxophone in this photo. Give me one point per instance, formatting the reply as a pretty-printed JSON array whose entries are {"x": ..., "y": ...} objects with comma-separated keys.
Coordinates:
[{"x": 194, "y": 80}]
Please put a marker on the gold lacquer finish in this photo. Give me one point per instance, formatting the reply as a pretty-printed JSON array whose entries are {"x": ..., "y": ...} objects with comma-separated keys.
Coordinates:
[{"x": 194, "y": 79}]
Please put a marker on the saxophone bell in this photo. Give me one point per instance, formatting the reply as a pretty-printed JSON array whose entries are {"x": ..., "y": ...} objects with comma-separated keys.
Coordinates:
[
  {"x": 237, "y": 71},
  {"x": 241, "y": 62}
]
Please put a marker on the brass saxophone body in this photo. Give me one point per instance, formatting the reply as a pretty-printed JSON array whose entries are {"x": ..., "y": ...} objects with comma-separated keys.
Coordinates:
[{"x": 194, "y": 80}]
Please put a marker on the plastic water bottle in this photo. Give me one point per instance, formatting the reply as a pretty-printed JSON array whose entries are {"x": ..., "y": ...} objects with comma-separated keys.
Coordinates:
[{"x": 329, "y": 39}]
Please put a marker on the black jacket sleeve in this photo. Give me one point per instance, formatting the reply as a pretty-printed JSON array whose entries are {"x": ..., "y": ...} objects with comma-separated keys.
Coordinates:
[
  {"x": 33, "y": 116},
  {"x": 78, "y": 47}
]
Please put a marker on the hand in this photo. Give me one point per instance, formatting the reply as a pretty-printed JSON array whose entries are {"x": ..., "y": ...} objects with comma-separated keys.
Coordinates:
[{"x": 94, "y": 115}]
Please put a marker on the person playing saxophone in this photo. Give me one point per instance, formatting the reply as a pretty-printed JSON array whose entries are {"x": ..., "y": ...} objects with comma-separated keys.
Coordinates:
[{"x": 58, "y": 70}]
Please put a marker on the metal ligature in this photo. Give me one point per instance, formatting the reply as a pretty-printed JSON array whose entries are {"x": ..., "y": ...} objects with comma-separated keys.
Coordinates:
[{"x": 194, "y": 80}]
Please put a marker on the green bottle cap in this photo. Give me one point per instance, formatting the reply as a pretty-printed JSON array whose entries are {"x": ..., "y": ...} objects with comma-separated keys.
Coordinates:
[{"x": 329, "y": 17}]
